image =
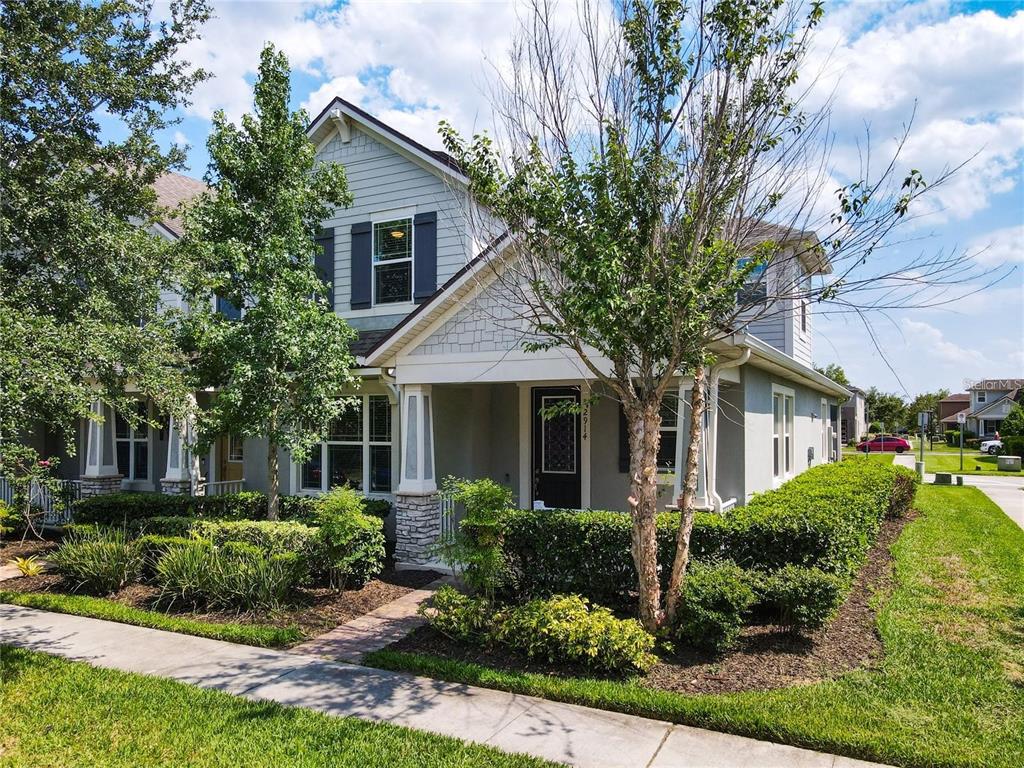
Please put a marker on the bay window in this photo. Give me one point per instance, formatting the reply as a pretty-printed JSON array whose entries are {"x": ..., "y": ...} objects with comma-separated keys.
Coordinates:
[{"x": 357, "y": 451}]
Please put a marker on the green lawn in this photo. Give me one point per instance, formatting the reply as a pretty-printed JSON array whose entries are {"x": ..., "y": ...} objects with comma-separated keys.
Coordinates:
[
  {"x": 950, "y": 462},
  {"x": 62, "y": 713},
  {"x": 99, "y": 608},
  {"x": 948, "y": 692}
]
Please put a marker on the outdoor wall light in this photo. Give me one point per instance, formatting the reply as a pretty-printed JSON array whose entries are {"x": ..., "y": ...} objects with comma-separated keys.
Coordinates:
[
  {"x": 390, "y": 372},
  {"x": 813, "y": 415}
]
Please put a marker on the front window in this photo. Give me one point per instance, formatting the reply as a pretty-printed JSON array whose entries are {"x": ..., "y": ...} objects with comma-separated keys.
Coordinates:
[
  {"x": 782, "y": 434},
  {"x": 357, "y": 451},
  {"x": 236, "y": 451},
  {"x": 392, "y": 261},
  {"x": 132, "y": 445},
  {"x": 669, "y": 429}
]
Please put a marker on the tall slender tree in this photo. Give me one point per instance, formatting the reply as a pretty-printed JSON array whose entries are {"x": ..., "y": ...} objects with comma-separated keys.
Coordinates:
[
  {"x": 638, "y": 159},
  {"x": 84, "y": 89},
  {"x": 277, "y": 368}
]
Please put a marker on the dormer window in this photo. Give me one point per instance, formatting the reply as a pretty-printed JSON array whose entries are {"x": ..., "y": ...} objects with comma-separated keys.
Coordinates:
[
  {"x": 392, "y": 261},
  {"x": 981, "y": 396}
]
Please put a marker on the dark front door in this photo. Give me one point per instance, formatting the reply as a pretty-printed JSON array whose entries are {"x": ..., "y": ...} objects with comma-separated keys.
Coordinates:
[{"x": 556, "y": 449}]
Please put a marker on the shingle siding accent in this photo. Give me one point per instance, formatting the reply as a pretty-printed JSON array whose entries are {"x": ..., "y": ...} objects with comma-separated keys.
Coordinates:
[{"x": 487, "y": 323}]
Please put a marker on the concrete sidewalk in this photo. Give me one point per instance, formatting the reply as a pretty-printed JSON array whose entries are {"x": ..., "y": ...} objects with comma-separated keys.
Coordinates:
[
  {"x": 1007, "y": 492},
  {"x": 560, "y": 732}
]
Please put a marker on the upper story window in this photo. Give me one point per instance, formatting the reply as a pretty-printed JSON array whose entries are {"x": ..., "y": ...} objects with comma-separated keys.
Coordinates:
[
  {"x": 392, "y": 261},
  {"x": 803, "y": 316},
  {"x": 755, "y": 289},
  {"x": 981, "y": 396}
]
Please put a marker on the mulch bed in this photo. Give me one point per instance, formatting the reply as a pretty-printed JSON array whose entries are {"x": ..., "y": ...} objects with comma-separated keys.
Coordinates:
[
  {"x": 17, "y": 548},
  {"x": 766, "y": 657},
  {"x": 317, "y": 610}
]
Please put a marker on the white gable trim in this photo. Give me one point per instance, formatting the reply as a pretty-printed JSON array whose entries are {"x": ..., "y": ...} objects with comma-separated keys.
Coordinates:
[{"x": 340, "y": 113}]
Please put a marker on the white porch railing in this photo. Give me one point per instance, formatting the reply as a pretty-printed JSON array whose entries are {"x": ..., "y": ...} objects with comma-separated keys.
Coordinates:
[
  {"x": 220, "y": 487},
  {"x": 449, "y": 517},
  {"x": 55, "y": 503}
]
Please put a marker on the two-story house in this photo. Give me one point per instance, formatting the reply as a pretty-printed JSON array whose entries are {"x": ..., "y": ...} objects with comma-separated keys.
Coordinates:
[
  {"x": 990, "y": 402},
  {"x": 446, "y": 387}
]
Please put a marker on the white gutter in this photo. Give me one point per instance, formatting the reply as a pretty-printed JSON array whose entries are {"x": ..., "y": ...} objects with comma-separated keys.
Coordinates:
[{"x": 711, "y": 443}]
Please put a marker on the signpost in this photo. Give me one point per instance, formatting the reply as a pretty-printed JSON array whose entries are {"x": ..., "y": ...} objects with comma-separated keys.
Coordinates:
[
  {"x": 961, "y": 419},
  {"x": 922, "y": 422}
]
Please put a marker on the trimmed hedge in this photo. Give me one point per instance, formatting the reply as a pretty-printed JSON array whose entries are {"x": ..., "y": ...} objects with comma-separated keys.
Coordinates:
[
  {"x": 826, "y": 517},
  {"x": 124, "y": 508},
  {"x": 1013, "y": 445}
]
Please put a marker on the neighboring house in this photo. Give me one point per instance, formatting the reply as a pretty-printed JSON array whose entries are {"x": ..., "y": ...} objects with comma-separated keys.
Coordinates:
[
  {"x": 853, "y": 417},
  {"x": 446, "y": 388},
  {"x": 990, "y": 403},
  {"x": 949, "y": 407}
]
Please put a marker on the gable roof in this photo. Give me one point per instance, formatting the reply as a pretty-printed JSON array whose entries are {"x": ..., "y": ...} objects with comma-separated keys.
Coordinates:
[
  {"x": 1015, "y": 395},
  {"x": 173, "y": 189},
  {"x": 436, "y": 160},
  {"x": 959, "y": 397}
]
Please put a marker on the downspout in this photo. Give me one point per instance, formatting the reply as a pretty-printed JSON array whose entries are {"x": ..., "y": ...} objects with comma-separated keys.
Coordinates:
[{"x": 711, "y": 444}]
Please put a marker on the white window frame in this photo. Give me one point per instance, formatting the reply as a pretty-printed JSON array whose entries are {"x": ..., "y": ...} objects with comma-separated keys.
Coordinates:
[
  {"x": 982, "y": 395},
  {"x": 366, "y": 443},
  {"x": 665, "y": 472},
  {"x": 785, "y": 453},
  {"x": 389, "y": 217},
  {"x": 132, "y": 440},
  {"x": 231, "y": 449}
]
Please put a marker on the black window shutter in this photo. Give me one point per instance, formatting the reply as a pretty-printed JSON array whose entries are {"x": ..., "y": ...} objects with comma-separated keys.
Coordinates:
[
  {"x": 425, "y": 256},
  {"x": 362, "y": 270},
  {"x": 324, "y": 262},
  {"x": 623, "y": 441}
]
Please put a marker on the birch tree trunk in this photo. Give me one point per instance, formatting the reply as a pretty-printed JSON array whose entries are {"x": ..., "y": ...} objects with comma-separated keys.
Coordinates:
[
  {"x": 688, "y": 496},
  {"x": 644, "y": 419}
]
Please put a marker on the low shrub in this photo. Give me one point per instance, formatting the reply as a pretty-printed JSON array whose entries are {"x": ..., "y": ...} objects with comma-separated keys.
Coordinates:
[
  {"x": 377, "y": 507},
  {"x": 714, "y": 600},
  {"x": 100, "y": 563},
  {"x": 152, "y": 548},
  {"x": 123, "y": 508},
  {"x": 235, "y": 576},
  {"x": 273, "y": 537},
  {"x": 588, "y": 553},
  {"x": 10, "y": 520},
  {"x": 800, "y": 598},
  {"x": 1013, "y": 445},
  {"x": 561, "y": 629},
  {"x": 299, "y": 509},
  {"x": 568, "y": 629},
  {"x": 974, "y": 443},
  {"x": 161, "y": 526},
  {"x": 476, "y": 548},
  {"x": 351, "y": 541},
  {"x": 460, "y": 616}
]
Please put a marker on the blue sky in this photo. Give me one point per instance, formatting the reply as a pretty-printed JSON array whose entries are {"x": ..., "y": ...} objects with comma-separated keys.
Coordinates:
[{"x": 962, "y": 64}]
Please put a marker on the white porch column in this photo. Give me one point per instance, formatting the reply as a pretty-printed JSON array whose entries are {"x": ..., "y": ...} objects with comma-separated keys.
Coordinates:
[
  {"x": 182, "y": 463},
  {"x": 417, "y": 505},
  {"x": 417, "y": 441},
  {"x": 101, "y": 475}
]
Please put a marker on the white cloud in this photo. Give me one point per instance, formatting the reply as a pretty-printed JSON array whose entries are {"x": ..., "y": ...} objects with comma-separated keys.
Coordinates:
[
  {"x": 180, "y": 139},
  {"x": 1004, "y": 246}
]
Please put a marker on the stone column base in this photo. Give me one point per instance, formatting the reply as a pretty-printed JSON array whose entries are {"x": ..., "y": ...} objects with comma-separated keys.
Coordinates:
[
  {"x": 417, "y": 527},
  {"x": 99, "y": 486},
  {"x": 176, "y": 487}
]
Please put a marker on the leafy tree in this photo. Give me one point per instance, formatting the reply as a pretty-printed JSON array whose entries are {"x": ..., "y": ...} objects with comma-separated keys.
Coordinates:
[
  {"x": 1013, "y": 424},
  {"x": 638, "y": 160},
  {"x": 886, "y": 410},
  {"x": 927, "y": 402},
  {"x": 279, "y": 368},
  {"x": 835, "y": 372},
  {"x": 79, "y": 275}
]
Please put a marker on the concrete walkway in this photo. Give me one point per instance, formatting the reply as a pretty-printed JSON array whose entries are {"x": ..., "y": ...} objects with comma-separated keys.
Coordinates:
[
  {"x": 375, "y": 630},
  {"x": 560, "y": 732},
  {"x": 1006, "y": 492}
]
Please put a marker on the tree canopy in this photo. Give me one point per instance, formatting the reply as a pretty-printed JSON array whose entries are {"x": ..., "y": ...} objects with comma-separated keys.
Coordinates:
[
  {"x": 79, "y": 274},
  {"x": 280, "y": 366}
]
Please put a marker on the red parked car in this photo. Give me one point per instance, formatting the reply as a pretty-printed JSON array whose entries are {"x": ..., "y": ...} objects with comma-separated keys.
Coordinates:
[{"x": 884, "y": 443}]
